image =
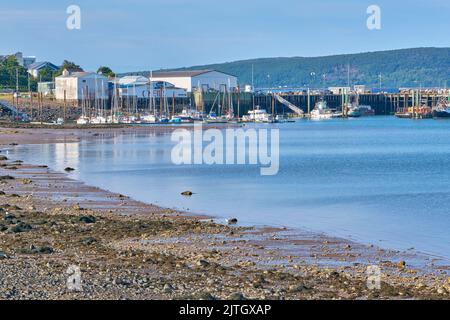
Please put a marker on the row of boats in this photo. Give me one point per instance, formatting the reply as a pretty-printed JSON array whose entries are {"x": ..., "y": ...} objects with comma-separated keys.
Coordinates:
[
  {"x": 186, "y": 116},
  {"x": 441, "y": 110},
  {"x": 258, "y": 115},
  {"x": 322, "y": 111}
]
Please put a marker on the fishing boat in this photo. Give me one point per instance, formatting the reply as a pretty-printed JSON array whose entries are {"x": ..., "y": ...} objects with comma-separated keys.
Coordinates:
[
  {"x": 321, "y": 111},
  {"x": 354, "y": 113},
  {"x": 441, "y": 113},
  {"x": 442, "y": 110},
  {"x": 258, "y": 115},
  {"x": 422, "y": 112}
]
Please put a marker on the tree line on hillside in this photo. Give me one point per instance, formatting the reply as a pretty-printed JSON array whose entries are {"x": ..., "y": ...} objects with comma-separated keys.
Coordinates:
[{"x": 427, "y": 67}]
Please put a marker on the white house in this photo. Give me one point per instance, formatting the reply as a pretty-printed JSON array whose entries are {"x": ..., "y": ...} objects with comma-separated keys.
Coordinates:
[
  {"x": 193, "y": 79},
  {"x": 139, "y": 86},
  {"x": 36, "y": 67},
  {"x": 81, "y": 85}
]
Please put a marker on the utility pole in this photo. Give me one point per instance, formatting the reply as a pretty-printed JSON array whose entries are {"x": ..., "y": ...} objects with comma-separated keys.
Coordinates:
[
  {"x": 253, "y": 89},
  {"x": 17, "y": 80},
  {"x": 348, "y": 75},
  {"x": 309, "y": 102},
  {"x": 379, "y": 76}
]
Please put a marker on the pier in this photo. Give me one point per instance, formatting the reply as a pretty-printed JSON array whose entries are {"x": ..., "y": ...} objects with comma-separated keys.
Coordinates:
[{"x": 42, "y": 108}]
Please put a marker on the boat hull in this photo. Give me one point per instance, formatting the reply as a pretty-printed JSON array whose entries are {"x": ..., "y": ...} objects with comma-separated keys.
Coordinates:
[{"x": 441, "y": 114}]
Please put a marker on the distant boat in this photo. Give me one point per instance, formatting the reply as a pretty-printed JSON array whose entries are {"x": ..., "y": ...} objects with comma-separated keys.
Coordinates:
[
  {"x": 423, "y": 112},
  {"x": 83, "y": 120},
  {"x": 213, "y": 118},
  {"x": 321, "y": 111},
  {"x": 442, "y": 110},
  {"x": 98, "y": 120},
  {"x": 187, "y": 116},
  {"x": 442, "y": 113},
  {"x": 149, "y": 118},
  {"x": 258, "y": 115},
  {"x": 357, "y": 110}
]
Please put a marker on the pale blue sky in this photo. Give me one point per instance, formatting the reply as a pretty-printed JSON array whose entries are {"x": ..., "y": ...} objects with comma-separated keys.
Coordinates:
[{"x": 142, "y": 34}]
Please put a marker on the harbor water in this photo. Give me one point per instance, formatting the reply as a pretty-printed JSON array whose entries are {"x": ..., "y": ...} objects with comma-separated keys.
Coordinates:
[{"x": 376, "y": 180}]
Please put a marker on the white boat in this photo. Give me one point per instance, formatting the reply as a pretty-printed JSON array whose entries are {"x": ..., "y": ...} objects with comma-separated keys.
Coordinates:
[
  {"x": 213, "y": 118},
  {"x": 258, "y": 115},
  {"x": 321, "y": 111},
  {"x": 356, "y": 110},
  {"x": 149, "y": 118},
  {"x": 83, "y": 120},
  {"x": 98, "y": 120}
]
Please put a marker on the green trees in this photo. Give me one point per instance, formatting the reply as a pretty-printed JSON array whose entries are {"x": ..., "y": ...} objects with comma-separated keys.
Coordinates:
[
  {"x": 106, "y": 71},
  {"x": 12, "y": 74},
  {"x": 69, "y": 66},
  {"x": 429, "y": 67}
]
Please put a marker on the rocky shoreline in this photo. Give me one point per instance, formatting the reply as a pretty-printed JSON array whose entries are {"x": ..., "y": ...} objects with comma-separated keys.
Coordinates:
[{"x": 125, "y": 249}]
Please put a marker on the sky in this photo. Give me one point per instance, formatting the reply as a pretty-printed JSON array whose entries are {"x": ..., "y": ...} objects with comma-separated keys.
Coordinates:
[{"x": 135, "y": 35}]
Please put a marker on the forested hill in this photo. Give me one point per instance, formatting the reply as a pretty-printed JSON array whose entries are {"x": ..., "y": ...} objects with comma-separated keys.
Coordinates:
[{"x": 429, "y": 67}]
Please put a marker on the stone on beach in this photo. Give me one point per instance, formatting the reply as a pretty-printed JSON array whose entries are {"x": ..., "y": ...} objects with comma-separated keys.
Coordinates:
[{"x": 88, "y": 219}]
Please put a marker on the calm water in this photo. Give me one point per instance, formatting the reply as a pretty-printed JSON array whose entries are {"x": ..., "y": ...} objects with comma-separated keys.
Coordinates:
[{"x": 376, "y": 180}]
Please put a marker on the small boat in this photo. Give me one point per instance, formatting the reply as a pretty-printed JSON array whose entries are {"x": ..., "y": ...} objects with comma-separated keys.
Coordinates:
[
  {"x": 321, "y": 111},
  {"x": 187, "y": 116},
  {"x": 356, "y": 110},
  {"x": 354, "y": 113},
  {"x": 442, "y": 110},
  {"x": 83, "y": 120},
  {"x": 149, "y": 118},
  {"x": 281, "y": 118},
  {"x": 98, "y": 120},
  {"x": 442, "y": 113},
  {"x": 258, "y": 115},
  {"x": 423, "y": 112},
  {"x": 213, "y": 118}
]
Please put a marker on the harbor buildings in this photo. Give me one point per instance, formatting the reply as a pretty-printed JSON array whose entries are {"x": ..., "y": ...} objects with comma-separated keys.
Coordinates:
[
  {"x": 81, "y": 85},
  {"x": 197, "y": 79},
  {"x": 139, "y": 87}
]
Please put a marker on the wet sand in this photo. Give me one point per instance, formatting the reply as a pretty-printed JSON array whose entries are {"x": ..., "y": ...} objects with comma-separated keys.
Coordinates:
[{"x": 130, "y": 250}]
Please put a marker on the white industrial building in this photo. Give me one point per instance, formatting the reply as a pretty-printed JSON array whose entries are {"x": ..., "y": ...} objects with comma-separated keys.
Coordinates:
[
  {"x": 139, "y": 86},
  {"x": 194, "y": 79},
  {"x": 339, "y": 90},
  {"x": 81, "y": 85}
]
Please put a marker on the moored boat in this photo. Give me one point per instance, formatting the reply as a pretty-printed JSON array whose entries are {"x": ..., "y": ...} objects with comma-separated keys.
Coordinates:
[
  {"x": 321, "y": 111},
  {"x": 258, "y": 115}
]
